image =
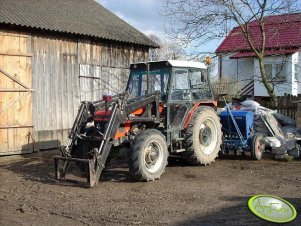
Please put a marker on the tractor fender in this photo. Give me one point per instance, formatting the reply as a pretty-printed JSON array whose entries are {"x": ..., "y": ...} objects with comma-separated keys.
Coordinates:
[{"x": 209, "y": 103}]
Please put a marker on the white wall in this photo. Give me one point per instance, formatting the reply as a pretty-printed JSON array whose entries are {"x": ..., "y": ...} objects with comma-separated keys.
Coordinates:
[
  {"x": 260, "y": 90},
  {"x": 240, "y": 69},
  {"x": 248, "y": 68},
  {"x": 297, "y": 69}
]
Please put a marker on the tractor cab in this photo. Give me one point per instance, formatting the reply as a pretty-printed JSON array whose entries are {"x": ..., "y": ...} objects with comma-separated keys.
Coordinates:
[
  {"x": 183, "y": 86},
  {"x": 177, "y": 81}
]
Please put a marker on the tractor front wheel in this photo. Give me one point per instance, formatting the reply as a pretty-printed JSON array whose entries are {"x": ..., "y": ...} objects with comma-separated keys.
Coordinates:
[
  {"x": 148, "y": 156},
  {"x": 203, "y": 136}
]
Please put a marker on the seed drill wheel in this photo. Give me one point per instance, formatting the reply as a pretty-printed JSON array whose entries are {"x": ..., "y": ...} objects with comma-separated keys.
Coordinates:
[
  {"x": 257, "y": 146},
  {"x": 148, "y": 156},
  {"x": 204, "y": 136}
]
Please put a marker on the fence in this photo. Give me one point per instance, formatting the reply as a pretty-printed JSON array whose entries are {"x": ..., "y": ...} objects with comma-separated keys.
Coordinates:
[{"x": 286, "y": 105}]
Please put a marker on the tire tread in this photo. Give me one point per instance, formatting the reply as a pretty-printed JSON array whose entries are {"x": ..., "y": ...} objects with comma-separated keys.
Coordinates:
[
  {"x": 136, "y": 170},
  {"x": 190, "y": 154}
]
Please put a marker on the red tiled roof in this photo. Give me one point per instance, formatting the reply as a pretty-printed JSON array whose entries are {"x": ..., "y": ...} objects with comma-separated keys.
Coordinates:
[
  {"x": 271, "y": 52},
  {"x": 282, "y": 31}
]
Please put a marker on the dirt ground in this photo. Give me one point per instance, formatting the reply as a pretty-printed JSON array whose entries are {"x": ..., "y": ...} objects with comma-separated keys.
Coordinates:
[{"x": 185, "y": 195}]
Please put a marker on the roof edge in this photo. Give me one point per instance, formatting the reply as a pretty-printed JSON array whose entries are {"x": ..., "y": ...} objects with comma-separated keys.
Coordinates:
[
  {"x": 267, "y": 49},
  {"x": 15, "y": 25}
]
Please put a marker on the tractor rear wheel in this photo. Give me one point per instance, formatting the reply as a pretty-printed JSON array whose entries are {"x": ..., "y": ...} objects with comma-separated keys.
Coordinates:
[
  {"x": 257, "y": 146},
  {"x": 203, "y": 136},
  {"x": 148, "y": 156}
]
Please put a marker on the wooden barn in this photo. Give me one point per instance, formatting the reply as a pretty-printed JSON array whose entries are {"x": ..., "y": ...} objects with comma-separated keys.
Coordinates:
[{"x": 54, "y": 54}]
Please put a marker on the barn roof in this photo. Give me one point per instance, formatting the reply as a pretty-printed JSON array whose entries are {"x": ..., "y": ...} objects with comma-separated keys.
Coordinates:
[
  {"x": 77, "y": 17},
  {"x": 282, "y": 32}
]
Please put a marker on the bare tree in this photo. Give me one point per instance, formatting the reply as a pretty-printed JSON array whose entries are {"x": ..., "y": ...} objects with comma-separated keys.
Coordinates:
[
  {"x": 231, "y": 87},
  {"x": 167, "y": 51},
  {"x": 200, "y": 21}
]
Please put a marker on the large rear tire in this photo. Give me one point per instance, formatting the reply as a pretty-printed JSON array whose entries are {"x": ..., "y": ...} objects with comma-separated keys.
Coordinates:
[
  {"x": 203, "y": 137},
  {"x": 148, "y": 156}
]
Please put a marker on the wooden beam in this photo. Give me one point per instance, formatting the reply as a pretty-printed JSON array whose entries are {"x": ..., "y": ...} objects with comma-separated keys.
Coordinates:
[
  {"x": 81, "y": 76},
  {"x": 15, "y": 90},
  {"x": 12, "y": 78},
  {"x": 15, "y": 126},
  {"x": 16, "y": 54},
  {"x": 121, "y": 67},
  {"x": 13, "y": 34}
]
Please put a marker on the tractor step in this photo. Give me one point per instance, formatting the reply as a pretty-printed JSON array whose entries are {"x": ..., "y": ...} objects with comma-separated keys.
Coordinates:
[{"x": 180, "y": 150}]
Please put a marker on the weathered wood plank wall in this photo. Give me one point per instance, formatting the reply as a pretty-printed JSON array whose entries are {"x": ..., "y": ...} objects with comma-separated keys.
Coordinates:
[
  {"x": 54, "y": 79},
  {"x": 58, "y": 73},
  {"x": 15, "y": 94},
  {"x": 67, "y": 71}
]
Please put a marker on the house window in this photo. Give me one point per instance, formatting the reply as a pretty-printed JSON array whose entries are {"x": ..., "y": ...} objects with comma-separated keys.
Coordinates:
[
  {"x": 280, "y": 72},
  {"x": 275, "y": 72},
  {"x": 269, "y": 71},
  {"x": 297, "y": 73}
]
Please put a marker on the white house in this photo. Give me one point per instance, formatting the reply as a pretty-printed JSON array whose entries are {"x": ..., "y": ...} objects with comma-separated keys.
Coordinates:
[{"x": 282, "y": 61}]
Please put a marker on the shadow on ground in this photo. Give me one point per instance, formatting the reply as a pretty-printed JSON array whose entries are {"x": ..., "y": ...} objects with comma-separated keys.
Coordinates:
[{"x": 39, "y": 167}]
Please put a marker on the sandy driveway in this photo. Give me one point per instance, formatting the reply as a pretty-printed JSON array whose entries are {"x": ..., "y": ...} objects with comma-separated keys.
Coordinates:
[{"x": 185, "y": 195}]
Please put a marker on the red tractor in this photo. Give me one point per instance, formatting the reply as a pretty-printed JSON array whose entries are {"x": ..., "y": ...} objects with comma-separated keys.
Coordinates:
[{"x": 166, "y": 109}]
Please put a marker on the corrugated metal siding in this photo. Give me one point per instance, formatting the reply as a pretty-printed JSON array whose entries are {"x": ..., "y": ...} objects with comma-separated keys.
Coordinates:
[{"x": 60, "y": 70}]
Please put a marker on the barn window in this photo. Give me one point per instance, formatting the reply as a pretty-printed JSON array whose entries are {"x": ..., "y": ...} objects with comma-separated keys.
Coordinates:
[{"x": 91, "y": 87}]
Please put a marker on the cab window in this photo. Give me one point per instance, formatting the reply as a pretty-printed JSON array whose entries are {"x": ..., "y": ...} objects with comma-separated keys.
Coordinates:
[{"x": 180, "y": 86}]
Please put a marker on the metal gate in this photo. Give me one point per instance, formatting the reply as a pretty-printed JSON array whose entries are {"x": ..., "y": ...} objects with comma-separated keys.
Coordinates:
[{"x": 15, "y": 94}]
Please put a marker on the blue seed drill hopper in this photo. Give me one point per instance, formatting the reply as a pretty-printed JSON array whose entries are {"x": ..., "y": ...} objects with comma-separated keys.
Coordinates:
[{"x": 238, "y": 133}]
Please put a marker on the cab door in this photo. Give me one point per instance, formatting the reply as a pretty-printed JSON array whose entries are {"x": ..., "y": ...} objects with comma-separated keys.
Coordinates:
[{"x": 180, "y": 100}]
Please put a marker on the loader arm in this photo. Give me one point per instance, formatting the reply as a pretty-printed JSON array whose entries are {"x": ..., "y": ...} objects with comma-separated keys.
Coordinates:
[
  {"x": 100, "y": 155},
  {"x": 121, "y": 109},
  {"x": 80, "y": 122}
]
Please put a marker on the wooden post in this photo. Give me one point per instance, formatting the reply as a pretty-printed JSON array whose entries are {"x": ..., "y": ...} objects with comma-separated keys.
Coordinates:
[{"x": 298, "y": 116}]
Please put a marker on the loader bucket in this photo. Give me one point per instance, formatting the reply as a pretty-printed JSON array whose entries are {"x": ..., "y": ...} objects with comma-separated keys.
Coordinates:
[{"x": 93, "y": 172}]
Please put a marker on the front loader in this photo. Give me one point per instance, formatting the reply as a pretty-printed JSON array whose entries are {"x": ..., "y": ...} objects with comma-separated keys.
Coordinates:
[{"x": 166, "y": 109}]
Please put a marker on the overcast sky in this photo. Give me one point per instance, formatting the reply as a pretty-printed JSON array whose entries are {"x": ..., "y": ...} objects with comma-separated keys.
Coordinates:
[{"x": 141, "y": 14}]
